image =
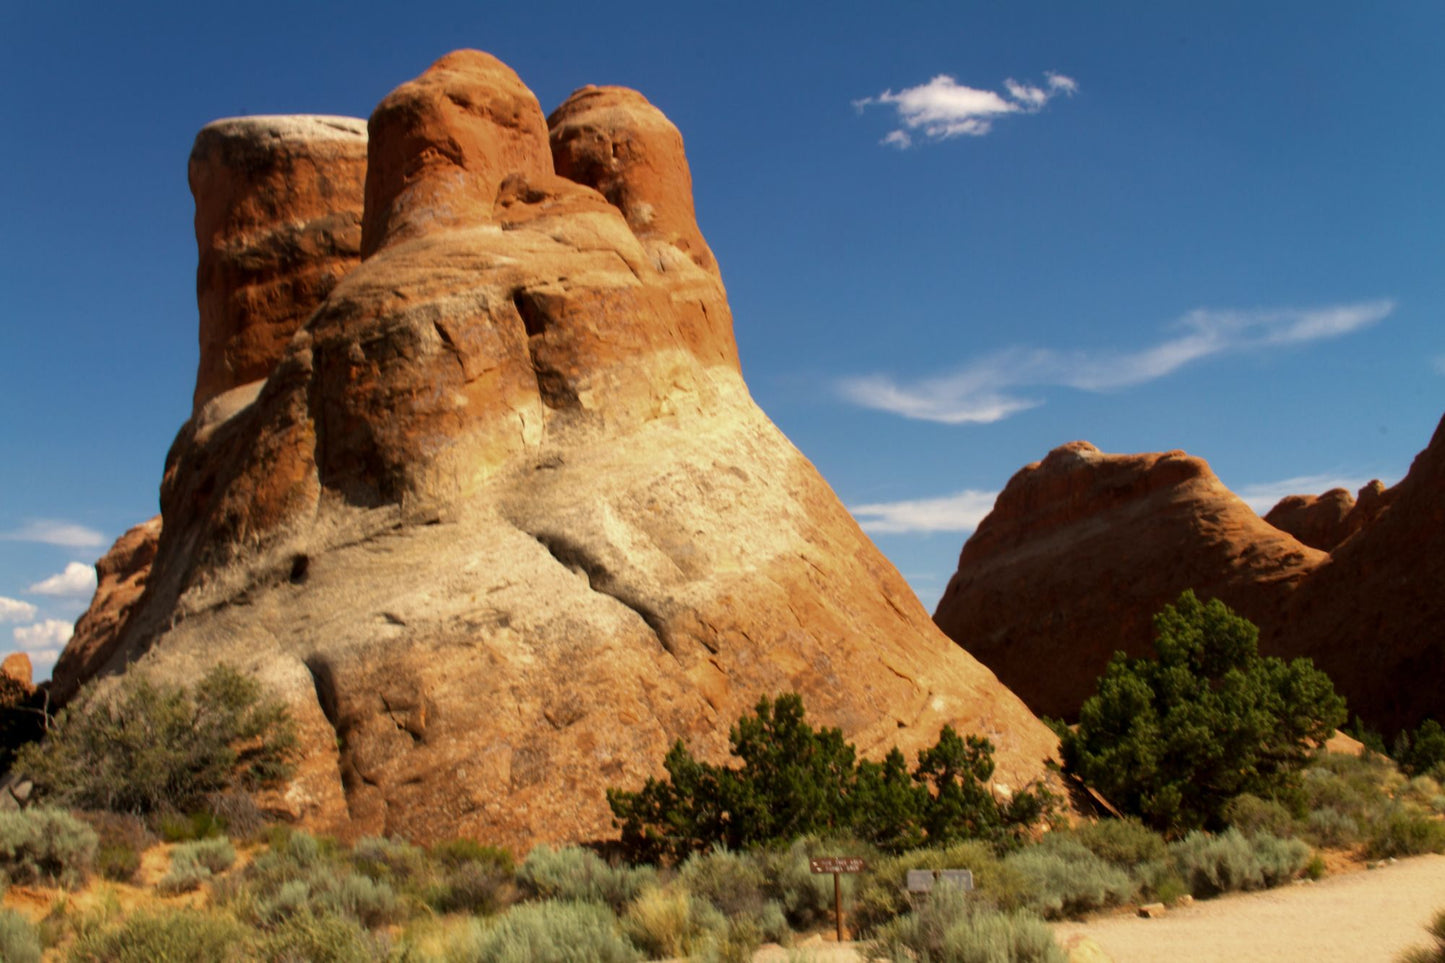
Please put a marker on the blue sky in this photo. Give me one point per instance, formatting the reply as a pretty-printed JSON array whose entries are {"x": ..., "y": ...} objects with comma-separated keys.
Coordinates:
[{"x": 954, "y": 235}]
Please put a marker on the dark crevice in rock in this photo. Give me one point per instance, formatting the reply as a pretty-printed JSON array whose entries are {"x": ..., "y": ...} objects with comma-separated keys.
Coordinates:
[{"x": 600, "y": 580}]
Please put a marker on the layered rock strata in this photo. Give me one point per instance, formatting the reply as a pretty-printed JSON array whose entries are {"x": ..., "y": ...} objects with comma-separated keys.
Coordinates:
[{"x": 503, "y": 522}]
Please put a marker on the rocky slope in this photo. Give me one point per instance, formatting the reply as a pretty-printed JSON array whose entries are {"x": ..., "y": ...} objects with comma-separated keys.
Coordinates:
[
  {"x": 1082, "y": 548},
  {"x": 502, "y": 521}
]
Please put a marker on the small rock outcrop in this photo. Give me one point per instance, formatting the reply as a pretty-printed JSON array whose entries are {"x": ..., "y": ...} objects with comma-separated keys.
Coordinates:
[
  {"x": 278, "y": 222},
  {"x": 17, "y": 675},
  {"x": 121, "y": 575},
  {"x": 503, "y": 522},
  {"x": 1083, "y": 548},
  {"x": 1316, "y": 520}
]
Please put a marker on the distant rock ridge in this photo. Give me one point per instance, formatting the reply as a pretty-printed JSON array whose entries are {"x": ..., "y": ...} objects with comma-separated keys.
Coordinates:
[
  {"x": 502, "y": 521},
  {"x": 1083, "y": 548}
]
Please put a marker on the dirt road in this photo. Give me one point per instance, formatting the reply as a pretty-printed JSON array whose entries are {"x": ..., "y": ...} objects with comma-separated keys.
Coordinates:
[
  {"x": 1361, "y": 917},
  {"x": 1357, "y": 917}
]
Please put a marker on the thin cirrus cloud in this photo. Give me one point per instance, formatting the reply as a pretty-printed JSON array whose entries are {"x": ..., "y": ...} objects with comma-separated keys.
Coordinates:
[
  {"x": 52, "y": 532},
  {"x": 77, "y": 579},
  {"x": 960, "y": 512},
  {"x": 996, "y": 386},
  {"x": 943, "y": 108},
  {"x": 14, "y": 610}
]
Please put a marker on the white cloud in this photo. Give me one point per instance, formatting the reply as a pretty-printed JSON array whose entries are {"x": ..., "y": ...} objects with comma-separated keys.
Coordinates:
[
  {"x": 77, "y": 579},
  {"x": 52, "y": 532},
  {"x": 987, "y": 389},
  {"x": 1262, "y": 496},
  {"x": 960, "y": 512},
  {"x": 49, "y": 634},
  {"x": 14, "y": 610},
  {"x": 944, "y": 108}
]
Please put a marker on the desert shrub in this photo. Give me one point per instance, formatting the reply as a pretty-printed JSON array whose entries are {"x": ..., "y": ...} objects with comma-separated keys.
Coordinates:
[
  {"x": 1250, "y": 815},
  {"x": 470, "y": 887},
  {"x": 237, "y": 814},
  {"x": 457, "y": 852},
  {"x": 1331, "y": 828},
  {"x": 1064, "y": 879},
  {"x": 175, "y": 936},
  {"x": 1173, "y": 738},
  {"x": 195, "y": 863},
  {"x": 1126, "y": 843},
  {"x": 121, "y": 839},
  {"x": 154, "y": 747},
  {"x": 1421, "y": 752},
  {"x": 308, "y": 937},
  {"x": 19, "y": 943},
  {"x": 573, "y": 873},
  {"x": 46, "y": 845},
  {"x": 552, "y": 932},
  {"x": 392, "y": 860},
  {"x": 796, "y": 781},
  {"x": 370, "y": 902},
  {"x": 1229, "y": 861},
  {"x": 1435, "y": 954},
  {"x": 1402, "y": 830},
  {"x": 948, "y": 927},
  {"x": 806, "y": 897},
  {"x": 671, "y": 922}
]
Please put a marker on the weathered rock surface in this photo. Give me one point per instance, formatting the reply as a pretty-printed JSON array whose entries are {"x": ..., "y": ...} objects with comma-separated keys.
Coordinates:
[
  {"x": 503, "y": 521},
  {"x": 278, "y": 222},
  {"x": 1083, "y": 548},
  {"x": 1373, "y": 615},
  {"x": 17, "y": 673},
  {"x": 121, "y": 575},
  {"x": 1324, "y": 521}
]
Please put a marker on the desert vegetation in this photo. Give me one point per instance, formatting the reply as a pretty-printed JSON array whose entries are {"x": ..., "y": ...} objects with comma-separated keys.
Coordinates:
[{"x": 141, "y": 792}]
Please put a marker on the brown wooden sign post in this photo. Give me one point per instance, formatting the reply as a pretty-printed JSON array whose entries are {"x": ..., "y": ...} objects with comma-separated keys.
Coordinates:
[{"x": 837, "y": 865}]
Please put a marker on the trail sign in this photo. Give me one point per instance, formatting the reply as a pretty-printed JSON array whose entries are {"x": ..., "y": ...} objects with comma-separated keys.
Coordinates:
[{"x": 837, "y": 865}]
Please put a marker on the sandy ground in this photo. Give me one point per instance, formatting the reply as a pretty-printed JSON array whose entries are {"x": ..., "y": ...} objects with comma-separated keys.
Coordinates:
[{"x": 1358, "y": 917}]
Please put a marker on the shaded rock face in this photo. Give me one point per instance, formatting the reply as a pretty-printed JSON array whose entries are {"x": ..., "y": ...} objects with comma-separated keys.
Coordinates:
[
  {"x": 1083, "y": 548},
  {"x": 278, "y": 222},
  {"x": 503, "y": 521},
  {"x": 121, "y": 575},
  {"x": 1324, "y": 521},
  {"x": 1373, "y": 615}
]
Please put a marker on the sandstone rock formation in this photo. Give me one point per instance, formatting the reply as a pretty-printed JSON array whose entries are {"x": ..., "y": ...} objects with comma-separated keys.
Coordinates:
[
  {"x": 1324, "y": 521},
  {"x": 121, "y": 575},
  {"x": 503, "y": 521},
  {"x": 278, "y": 222},
  {"x": 17, "y": 673},
  {"x": 1373, "y": 615},
  {"x": 1083, "y": 548}
]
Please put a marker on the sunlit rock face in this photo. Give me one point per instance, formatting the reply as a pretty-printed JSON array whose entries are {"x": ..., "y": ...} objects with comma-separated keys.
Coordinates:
[
  {"x": 1084, "y": 547},
  {"x": 502, "y": 521}
]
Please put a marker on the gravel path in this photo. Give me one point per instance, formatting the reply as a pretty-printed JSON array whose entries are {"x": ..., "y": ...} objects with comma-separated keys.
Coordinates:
[{"x": 1359, "y": 917}]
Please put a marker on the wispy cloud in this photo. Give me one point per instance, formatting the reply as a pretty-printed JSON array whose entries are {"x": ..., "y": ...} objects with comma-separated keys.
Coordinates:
[
  {"x": 944, "y": 108},
  {"x": 1438, "y": 363},
  {"x": 14, "y": 610},
  {"x": 51, "y": 633},
  {"x": 960, "y": 512},
  {"x": 77, "y": 579},
  {"x": 52, "y": 532},
  {"x": 1262, "y": 496},
  {"x": 988, "y": 389}
]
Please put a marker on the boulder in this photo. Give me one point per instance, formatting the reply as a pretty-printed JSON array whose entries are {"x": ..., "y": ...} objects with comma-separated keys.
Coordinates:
[
  {"x": 503, "y": 522},
  {"x": 18, "y": 672},
  {"x": 278, "y": 222},
  {"x": 1083, "y": 548}
]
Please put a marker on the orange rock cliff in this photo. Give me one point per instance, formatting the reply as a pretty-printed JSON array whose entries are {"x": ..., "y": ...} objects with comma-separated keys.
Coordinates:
[{"x": 498, "y": 517}]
